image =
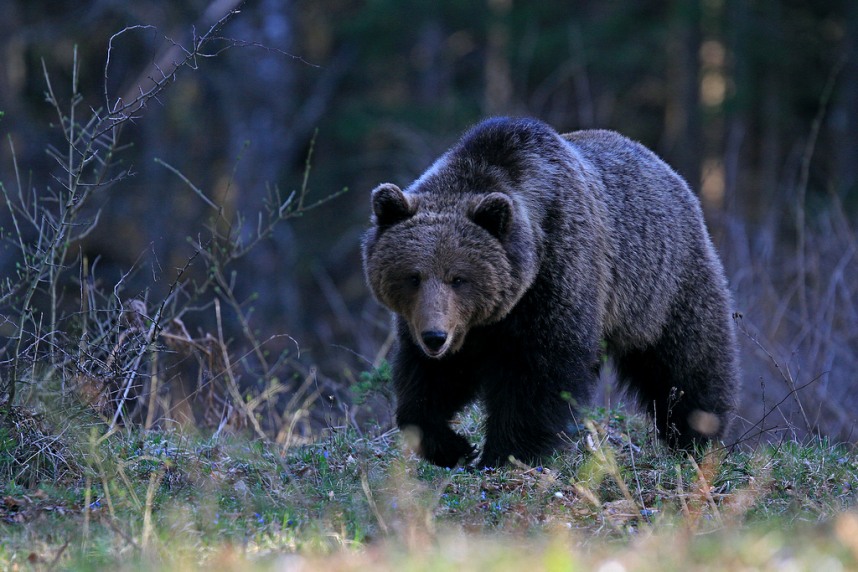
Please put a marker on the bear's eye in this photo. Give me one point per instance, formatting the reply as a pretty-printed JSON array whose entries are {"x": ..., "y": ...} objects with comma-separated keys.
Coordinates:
[
  {"x": 458, "y": 281},
  {"x": 413, "y": 280}
]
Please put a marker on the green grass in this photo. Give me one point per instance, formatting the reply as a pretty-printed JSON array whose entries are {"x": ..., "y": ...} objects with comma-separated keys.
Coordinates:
[{"x": 157, "y": 500}]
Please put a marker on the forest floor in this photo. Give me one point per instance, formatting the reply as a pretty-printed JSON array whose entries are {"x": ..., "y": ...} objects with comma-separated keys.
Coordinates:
[{"x": 616, "y": 500}]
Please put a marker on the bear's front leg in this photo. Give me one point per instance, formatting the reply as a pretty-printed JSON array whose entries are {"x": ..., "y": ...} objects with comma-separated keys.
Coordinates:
[
  {"x": 532, "y": 400},
  {"x": 429, "y": 394}
]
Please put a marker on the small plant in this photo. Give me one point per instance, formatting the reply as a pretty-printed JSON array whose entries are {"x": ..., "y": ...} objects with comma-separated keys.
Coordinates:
[{"x": 377, "y": 381}]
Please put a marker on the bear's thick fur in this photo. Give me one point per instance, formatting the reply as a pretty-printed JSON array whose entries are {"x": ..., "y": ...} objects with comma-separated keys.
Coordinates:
[{"x": 516, "y": 258}]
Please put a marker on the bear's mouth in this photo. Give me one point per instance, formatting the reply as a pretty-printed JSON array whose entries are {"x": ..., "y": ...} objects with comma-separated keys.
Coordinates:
[
  {"x": 451, "y": 345},
  {"x": 435, "y": 353}
]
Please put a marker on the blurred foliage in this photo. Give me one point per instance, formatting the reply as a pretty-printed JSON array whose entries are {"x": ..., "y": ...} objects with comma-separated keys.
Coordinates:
[{"x": 727, "y": 91}]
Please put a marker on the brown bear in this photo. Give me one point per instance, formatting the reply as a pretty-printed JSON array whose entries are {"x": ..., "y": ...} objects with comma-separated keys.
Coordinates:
[{"x": 521, "y": 256}]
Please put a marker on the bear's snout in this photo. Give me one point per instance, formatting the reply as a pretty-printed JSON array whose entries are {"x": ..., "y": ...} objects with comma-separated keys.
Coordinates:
[{"x": 434, "y": 339}]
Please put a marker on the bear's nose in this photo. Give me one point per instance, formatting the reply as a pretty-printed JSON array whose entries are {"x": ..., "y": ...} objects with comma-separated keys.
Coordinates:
[{"x": 434, "y": 339}]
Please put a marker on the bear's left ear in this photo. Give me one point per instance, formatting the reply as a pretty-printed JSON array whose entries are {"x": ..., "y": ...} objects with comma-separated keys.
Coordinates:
[{"x": 493, "y": 212}]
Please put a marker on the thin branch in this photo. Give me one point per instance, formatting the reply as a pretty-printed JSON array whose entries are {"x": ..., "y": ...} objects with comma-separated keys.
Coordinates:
[{"x": 193, "y": 187}]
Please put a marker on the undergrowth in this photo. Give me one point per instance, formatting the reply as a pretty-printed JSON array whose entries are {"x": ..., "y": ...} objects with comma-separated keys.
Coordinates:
[{"x": 169, "y": 499}]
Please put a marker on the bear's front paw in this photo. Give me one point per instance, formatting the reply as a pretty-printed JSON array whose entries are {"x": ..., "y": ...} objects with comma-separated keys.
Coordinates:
[{"x": 449, "y": 452}]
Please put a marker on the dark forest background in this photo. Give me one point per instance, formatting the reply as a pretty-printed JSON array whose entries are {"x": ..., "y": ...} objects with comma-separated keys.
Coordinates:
[{"x": 755, "y": 102}]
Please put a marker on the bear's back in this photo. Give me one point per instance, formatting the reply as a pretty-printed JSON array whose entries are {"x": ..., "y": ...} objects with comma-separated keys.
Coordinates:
[
  {"x": 643, "y": 193},
  {"x": 656, "y": 229},
  {"x": 626, "y": 165}
]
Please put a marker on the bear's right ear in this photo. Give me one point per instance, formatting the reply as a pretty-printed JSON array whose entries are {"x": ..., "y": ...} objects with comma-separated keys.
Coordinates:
[
  {"x": 493, "y": 212},
  {"x": 389, "y": 205}
]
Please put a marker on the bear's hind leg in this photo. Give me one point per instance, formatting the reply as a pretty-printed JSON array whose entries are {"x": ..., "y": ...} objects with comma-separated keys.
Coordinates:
[
  {"x": 687, "y": 407},
  {"x": 688, "y": 379}
]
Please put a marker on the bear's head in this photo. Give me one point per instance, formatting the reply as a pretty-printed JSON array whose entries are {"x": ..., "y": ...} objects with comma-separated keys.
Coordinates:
[{"x": 446, "y": 262}]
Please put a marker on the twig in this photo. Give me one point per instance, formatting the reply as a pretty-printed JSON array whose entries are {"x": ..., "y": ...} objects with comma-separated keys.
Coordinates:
[
  {"x": 190, "y": 185},
  {"x": 785, "y": 374},
  {"x": 155, "y": 478},
  {"x": 367, "y": 491},
  {"x": 151, "y": 334},
  {"x": 232, "y": 384},
  {"x": 804, "y": 177}
]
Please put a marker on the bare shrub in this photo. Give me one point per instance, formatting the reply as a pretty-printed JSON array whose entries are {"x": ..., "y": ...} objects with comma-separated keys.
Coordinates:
[{"x": 127, "y": 356}]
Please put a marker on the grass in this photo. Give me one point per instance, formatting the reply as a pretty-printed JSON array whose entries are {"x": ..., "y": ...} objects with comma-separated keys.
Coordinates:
[{"x": 616, "y": 498}]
